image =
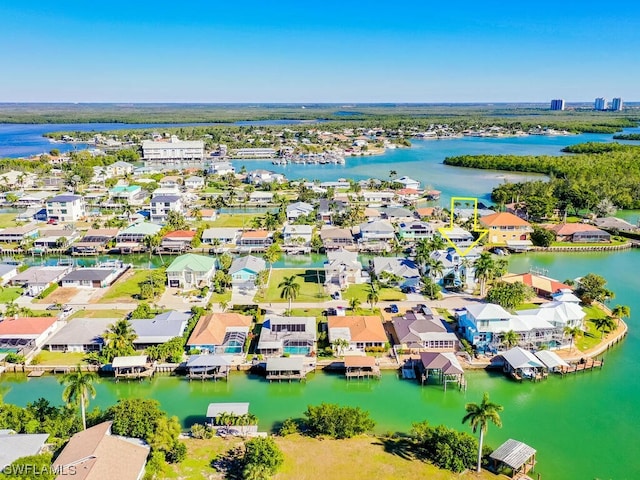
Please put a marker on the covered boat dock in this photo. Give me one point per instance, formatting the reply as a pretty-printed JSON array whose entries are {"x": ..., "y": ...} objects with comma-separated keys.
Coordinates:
[
  {"x": 287, "y": 368},
  {"x": 518, "y": 458},
  {"x": 444, "y": 367},
  {"x": 521, "y": 363},
  {"x": 135, "y": 367},
  {"x": 357, "y": 366},
  {"x": 203, "y": 367}
]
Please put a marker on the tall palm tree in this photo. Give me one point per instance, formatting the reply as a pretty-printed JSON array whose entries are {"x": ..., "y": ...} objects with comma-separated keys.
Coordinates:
[
  {"x": 436, "y": 268},
  {"x": 354, "y": 303},
  {"x": 438, "y": 243},
  {"x": 620, "y": 312},
  {"x": 604, "y": 324},
  {"x": 120, "y": 337},
  {"x": 510, "y": 339},
  {"x": 572, "y": 333},
  {"x": 484, "y": 269},
  {"x": 290, "y": 289},
  {"x": 78, "y": 389},
  {"x": 373, "y": 295},
  {"x": 272, "y": 254},
  {"x": 479, "y": 417}
]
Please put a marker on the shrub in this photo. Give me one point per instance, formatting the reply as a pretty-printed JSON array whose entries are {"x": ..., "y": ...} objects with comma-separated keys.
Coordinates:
[
  {"x": 15, "y": 358},
  {"x": 445, "y": 447},
  {"x": 289, "y": 427},
  {"x": 337, "y": 422},
  {"x": 262, "y": 455}
]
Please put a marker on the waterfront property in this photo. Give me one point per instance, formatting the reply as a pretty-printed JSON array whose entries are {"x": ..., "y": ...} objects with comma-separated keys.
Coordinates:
[
  {"x": 244, "y": 271},
  {"x": 342, "y": 269},
  {"x": 19, "y": 234},
  {"x": 89, "y": 277},
  {"x": 178, "y": 241},
  {"x": 361, "y": 332},
  {"x": 520, "y": 363},
  {"x": 443, "y": 367},
  {"x": 66, "y": 208},
  {"x": 24, "y": 334},
  {"x": 131, "y": 239},
  {"x": 203, "y": 367},
  {"x": 94, "y": 453},
  {"x": 80, "y": 335},
  {"x": 376, "y": 235},
  {"x": 361, "y": 366},
  {"x": 134, "y": 366},
  {"x": 518, "y": 457},
  {"x": 17, "y": 445},
  {"x": 35, "y": 279},
  {"x": 222, "y": 333},
  {"x": 254, "y": 241},
  {"x": 423, "y": 331},
  {"x": 541, "y": 285},
  {"x": 579, "y": 233},
  {"x": 337, "y": 238},
  {"x": 505, "y": 227},
  {"x": 287, "y": 335},
  {"x": 190, "y": 271},
  {"x": 94, "y": 241},
  {"x": 225, "y": 238},
  {"x": 173, "y": 151},
  {"x": 216, "y": 410},
  {"x": 159, "y": 329},
  {"x": 162, "y": 204}
]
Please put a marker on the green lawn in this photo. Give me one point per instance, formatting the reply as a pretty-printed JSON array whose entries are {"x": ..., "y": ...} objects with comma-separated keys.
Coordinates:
[
  {"x": 385, "y": 294},
  {"x": 45, "y": 357},
  {"x": 596, "y": 244},
  {"x": 221, "y": 297},
  {"x": 9, "y": 294},
  {"x": 591, "y": 337},
  {"x": 309, "y": 312},
  {"x": 125, "y": 290},
  {"x": 7, "y": 220},
  {"x": 446, "y": 314},
  {"x": 235, "y": 220},
  {"x": 527, "y": 306},
  {"x": 311, "y": 286},
  {"x": 111, "y": 313}
]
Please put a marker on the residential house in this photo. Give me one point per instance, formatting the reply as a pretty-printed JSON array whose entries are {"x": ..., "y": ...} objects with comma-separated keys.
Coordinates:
[
  {"x": 414, "y": 230},
  {"x": 80, "y": 335},
  {"x": 298, "y": 209},
  {"x": 178, "y": 241},
  {"x": 174, "y": 151},
  {"x": 543, "y": 286},
  {"x": 66, "y": 208},
  {"x": 376, "y": 235},
  {"x": 466, "y": 214},
  {"x": 100, "y": 277},
  {"x": 361, "y": 332},
  {"x": 327, "y": 208},
  {"x": 408, "y": 195},
  {"x": 221, "y": 333},
  {"x": 190, "y": 271},
  {"x": 205, "y": 214},
  {"x": 119, "y": 169},
  {"x": 342, "y": 269},
  {"x": 36, "y": 279},
  {"x": 258, "y": 177},
  {"x": 579, "y": 233},
  {"x": 18, "y": 445},
  {"x": 378, "y": 197},
  {"x": 423, "y": 331},
  {"x": 397, "y": 214},
  {"x": 459, "y": 237},
  {"x": 126, "y": 194},
  {"x": 19, "y": 334},
  {"x": 19, "y": 234},
  {"x": 7, "y": 272},
  {"x": 565, "y": 295},
  {"x": 55, "y": 238},
  {"x": 221, "y": 168},
  {"x": 224, "y": 237},
  {"x": 287, "y": 335},
  {"x": 337, "y": 238},
  {"x": 161, "y": 205},
  {"x": 505, "y": 228},
  {"x": 244, "y": 270},
  {"x": 194, "y": 183},
  {"x": 401, "y": 267},
  {"x": 159, "y": 329},
  {"x": 261, "y": 198},
  {"x": 615, "y": 224},
  {"x": 254, "y": 240},
  {"x": 559, "y": 314},
  {"x": 426, "y": 212},
  {"x": 299, "y": 235},
  {"x": 408, "y": 182},
  {"x": 95, "y": 241},
  {"x": 132, "y": 238},
  {"x": 92, "y": 454},
  {"x": 457, "y": 269}
]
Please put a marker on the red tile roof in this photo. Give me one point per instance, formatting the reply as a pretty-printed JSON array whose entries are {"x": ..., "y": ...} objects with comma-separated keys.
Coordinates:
[
  {"x": 565, "y": 229},
  {"x": 26, "y": 325},
  {"x": 503, "y": 219},
  {"x": 181, "y": 234}
]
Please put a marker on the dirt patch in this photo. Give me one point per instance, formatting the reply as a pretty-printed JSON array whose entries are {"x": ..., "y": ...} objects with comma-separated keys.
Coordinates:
[{"x": 60, "y": 295}]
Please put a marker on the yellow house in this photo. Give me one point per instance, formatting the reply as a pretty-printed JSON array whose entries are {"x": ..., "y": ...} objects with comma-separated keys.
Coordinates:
[{"x": 504, "y": 227}]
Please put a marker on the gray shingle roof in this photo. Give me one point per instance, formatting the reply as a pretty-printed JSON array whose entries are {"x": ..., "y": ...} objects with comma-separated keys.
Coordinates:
[
  {"x": 15, "y": 446},
  {"x": 97, "y": 274},
  {"x": 513, "y": 453},
  {"x": 248, "y": 262},
  {"x": 82, "y": 331}
]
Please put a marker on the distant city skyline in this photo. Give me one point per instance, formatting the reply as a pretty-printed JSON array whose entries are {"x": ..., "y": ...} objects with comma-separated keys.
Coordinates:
[{"x": 328, "y": 52}]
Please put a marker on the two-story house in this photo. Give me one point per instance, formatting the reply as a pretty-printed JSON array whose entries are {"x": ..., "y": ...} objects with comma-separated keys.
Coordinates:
[
  {"x": 161, "y": 205},
  {"x": 506, "y": 227},
  {"x": 66, "y": 208}
]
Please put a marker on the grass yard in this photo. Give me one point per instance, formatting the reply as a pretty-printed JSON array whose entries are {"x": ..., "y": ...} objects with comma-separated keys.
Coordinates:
[
  {"x": 8, "y": 220},
  {"x": 596, "y": 244},
  {"x": 311, "y": 286},
  {"x": 236, "y": 220},
  {"x": 9, "y": 294},
  {"x": 313, "y": 459},
  {"x": 385, "y": 294},
  {"x": 111, "y": 313},
  {"x": 309, "y": 312},
  {"x": 527, "y": 306},
  {"x": 591, "y": 337},
  {"x": 446, "y": 314},
  {"x": 45, "y": 357},
  {"x": 125, "y": 288},
  {"x": 221, "y": 297}
]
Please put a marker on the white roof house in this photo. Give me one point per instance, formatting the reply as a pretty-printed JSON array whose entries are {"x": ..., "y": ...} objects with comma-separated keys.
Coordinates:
[
  {"x": 408, "y": 182},
  {"x": 235, "y": 408}
]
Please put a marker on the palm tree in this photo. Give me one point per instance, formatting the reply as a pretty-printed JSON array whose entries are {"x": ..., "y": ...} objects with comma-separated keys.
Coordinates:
[
  {"x": 604, "y": 324},
  {"x": 620, "y": 312},
  {"x": 479, "y": 417},
  {"x": 484, "y": 268},
  {"x": 78, "y": 389},
  {"x": 223, "y": 305},
  {"x": 438, "y": 243},
  {"x": 510, "y": 339},
  {"x": 120, "y": 337},
  {"x": 373, "y": 295},
  {"x": 339, "y": 344},
  {"x": 436, "y": 268},
  {"x": 354, "y": 303},
  {"x": 392, "y": 174},
  {"x": 272, "y": 254},
  {"x": 572, "y": 333},
  {"x": 290, "y": 289}
]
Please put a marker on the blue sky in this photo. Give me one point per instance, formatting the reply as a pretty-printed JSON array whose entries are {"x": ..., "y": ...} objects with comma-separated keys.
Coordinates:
[{"x": 318, "y": 51}]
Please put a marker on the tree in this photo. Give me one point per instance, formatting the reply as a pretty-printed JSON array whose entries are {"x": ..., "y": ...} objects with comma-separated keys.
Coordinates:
[
  {"x": 604, "y": 324},
  {"x": 436, "y": 268},
  {"x": 78, "y": 389},
  {"x": 176, "y": 221},
  {"x": 510, "y": 339},
  {"x": 339, "y": 344},
  {"x": 135, "y": 417},
  {"x": 484, "y": 269},
  {"x": 572, "y": 333},
  {"x": 445, "y": 447},
  {"x": 621, "y": 311},
  {"x": 225, "y": 262},
  {"x": 592, "y": 288},
  {"x": 542, "y": 237},
  {"x": 373, "y": 294},
  {"x": 354, "y": 303},
  {"x": 32, "y": 467},
  {"x": 479, "y": 417},
  {"x": 430, "y": 288},
  {"x": 119, "y": 337},
  {"x": 272, "y": 254},
  {"x": 290, "y": 289},
  {"x": 262, "y": 458},
  {"x": 336, "y": 421},
  {"x": 509, "y": 295}
]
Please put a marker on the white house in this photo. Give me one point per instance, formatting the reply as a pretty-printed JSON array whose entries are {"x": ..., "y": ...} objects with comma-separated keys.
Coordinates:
[
  {"x": 261, "y": 197},
  {"x": 342, "y": 269},
  {"x": 191, "y": 271},
  {"x": 194, "y": 183},
  {"x": 408, "y": 182},
  {"x": 297, "y": 234},
  {"x": 172, "y": 151},
  {"x": 66, "y": 208},
  {"x": 258, "y": 177},
  {"x": 161, "y": 205},
  {"x": 377, "y": 231},
  {"x": 221, "y": 168},
  {"x": 298, "y": 209}
]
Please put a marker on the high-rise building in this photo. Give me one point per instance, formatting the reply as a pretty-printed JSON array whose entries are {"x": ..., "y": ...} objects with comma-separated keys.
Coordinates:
[
  {"x": 600, "y": 104},
  {"x": 616, "y": 104},
  {"x": 557, "y": 104}
]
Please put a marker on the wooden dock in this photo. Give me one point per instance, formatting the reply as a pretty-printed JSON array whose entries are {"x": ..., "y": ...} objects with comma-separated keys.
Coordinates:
[{"x": 587, "y": 365}]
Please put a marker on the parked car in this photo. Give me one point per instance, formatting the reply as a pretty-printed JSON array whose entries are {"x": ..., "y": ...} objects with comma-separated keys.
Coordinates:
[
  {"x": 52, "y": 221},
  {"x": 336, "y": 296},
  {"x": 393, "y": 308}
]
